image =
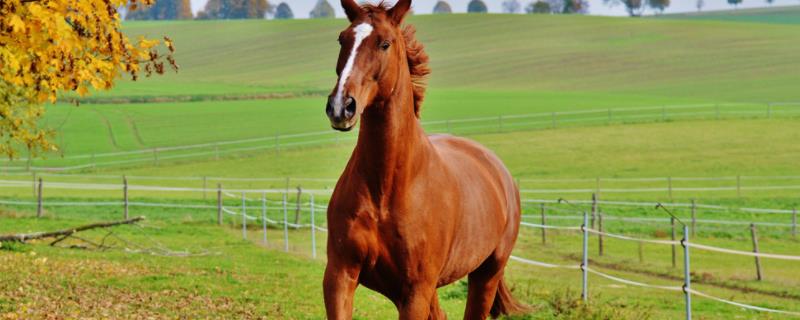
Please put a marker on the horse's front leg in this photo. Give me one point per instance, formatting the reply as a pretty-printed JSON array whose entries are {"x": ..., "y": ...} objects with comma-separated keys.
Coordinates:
[
  {"x": 339, "y": 287},
  {"x": 417, "y": 302}
]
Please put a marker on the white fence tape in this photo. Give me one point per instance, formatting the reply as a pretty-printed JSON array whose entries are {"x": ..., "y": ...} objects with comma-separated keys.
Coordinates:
[
  {"x": 611, "y": 235},
  {"x": 742, "y": 305},
  {"x": 634, "y": 283},
  {"x": 534, "y": 225},
  {"x": 744, "y": 253},
  {"x": 543, "y": 264}
]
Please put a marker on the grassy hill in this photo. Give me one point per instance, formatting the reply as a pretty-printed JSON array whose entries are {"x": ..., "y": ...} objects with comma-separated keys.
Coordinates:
[{"x": 776, "y": 15}]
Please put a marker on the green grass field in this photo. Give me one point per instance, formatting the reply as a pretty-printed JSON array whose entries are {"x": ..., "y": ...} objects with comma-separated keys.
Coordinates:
[{"x": 493, "y": 66}]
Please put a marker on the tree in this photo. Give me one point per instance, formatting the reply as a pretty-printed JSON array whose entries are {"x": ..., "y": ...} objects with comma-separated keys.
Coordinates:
[
  {"x": 538, "y": 7},
  {"x": 511, "y": 6},
  {"x": 575, "y": 6},
  {"x": 477, "y": 6},
  {"x": 735, "y": 3},
  {"x": 770, "y": 2},
  {"x": 57, "y": 46},
  {"x": 700, "y": 4},
  {"x": 635, "y": 8},
  {"x": 322, "y": 9},
  {"x": 235, "y": 9},
  {"x": 162, "y": 10},
  {"x": 659, "y": 5},
  {"x": 442, "y": 7},
  {"x": 284, "y": 11}
]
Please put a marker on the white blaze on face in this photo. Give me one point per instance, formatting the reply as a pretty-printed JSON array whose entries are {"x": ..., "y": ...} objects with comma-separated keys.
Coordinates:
[{"x": 362, "y": 31}]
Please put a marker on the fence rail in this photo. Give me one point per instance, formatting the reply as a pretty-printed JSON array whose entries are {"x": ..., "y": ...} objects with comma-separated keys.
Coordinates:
[{"x": 501, "y": 123}]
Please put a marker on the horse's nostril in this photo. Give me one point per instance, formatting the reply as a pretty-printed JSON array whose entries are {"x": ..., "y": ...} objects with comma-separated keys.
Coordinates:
[
  {"x": 329, "y": 109},
  {"x": 350, "y": 107}
]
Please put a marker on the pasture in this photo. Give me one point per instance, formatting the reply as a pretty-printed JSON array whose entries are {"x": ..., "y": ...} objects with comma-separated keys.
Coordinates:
[{"x": 245, "y": 80}]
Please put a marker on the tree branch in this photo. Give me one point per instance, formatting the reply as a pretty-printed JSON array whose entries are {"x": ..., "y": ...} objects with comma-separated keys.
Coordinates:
[{"x": 22, "y": 237}]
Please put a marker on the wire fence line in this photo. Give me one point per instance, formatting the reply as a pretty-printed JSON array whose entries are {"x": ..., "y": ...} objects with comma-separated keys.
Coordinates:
[
  {"x": 500, "y": 123},
  {"x": 685, "y": 288}
]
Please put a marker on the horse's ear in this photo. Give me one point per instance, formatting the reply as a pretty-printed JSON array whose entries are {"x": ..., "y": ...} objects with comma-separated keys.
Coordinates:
[
  {"x": 352, "y": 9},
  {"x": 399, "y": 11}
]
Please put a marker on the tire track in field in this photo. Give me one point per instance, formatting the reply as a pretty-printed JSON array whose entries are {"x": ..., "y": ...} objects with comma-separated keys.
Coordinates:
[
  {"x": 110, "y": 129},
  {"x": 132, "y": 123}
]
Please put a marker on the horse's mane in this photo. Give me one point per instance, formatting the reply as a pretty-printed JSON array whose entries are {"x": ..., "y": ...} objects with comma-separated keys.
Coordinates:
[{"x": 417, "y": 58}]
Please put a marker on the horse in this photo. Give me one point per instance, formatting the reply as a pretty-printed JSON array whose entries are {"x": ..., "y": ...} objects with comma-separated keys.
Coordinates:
[{"x": 411, "y": 212}]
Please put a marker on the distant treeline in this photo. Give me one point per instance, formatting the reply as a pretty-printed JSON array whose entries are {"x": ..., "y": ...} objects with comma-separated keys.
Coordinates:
[{"x": 263, "y": 9}]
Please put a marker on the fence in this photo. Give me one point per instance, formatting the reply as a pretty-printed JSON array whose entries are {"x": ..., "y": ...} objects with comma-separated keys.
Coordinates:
[
  {"x": 500, "y": 123},
  {"x": 686, "y": 287},
  {"x": 248, "y": 214}
]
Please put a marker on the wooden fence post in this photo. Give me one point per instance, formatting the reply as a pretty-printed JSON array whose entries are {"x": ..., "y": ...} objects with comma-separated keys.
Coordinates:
[
  {"x": 219, "y": 204},
  {"x": 39, "y": 200},
  {"x": 641, "y": 252},
  {"x": 672, "y": 223},
  {"x": 754, "y": 236},
  {"x": 125, "y": 196},
  {"x": 297, "y": 209},
  {"x": 544, "y": 223},
  {"x": 600, "y": 235},
  {"x": 694, "y": 217}
]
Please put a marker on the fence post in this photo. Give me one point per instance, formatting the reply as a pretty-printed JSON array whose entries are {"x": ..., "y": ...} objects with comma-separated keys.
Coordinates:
[
  {"x": 585, "y": 263},
  {"x": 794, "y": 223},
  {"x": 739, "y": 186},
  {"x": 155, "y": 156},
  {"x": 244, "y": 218},
  {"x": 264, "y": 216},
  {"x": 669, "y": 187},
  {"x": 219, "y": 204},
  {"x": 500, "y": 123},
  {"x": 313, "y": 229},
  {"x": 205, "y": 187},
  {"x": 39, "y": 200},
  {"x": 544, "y": 223},
  {"x": 600, "y": 235},
  {"x": 641, "y": 252},
  {"x": 297, "y": 209},
  {"x": 125, "y": 195},
  {"x": 754, "y": 236},
  {"x": 285, "y": 225},
  {"x": 594, "y": 208},
  {"x": 694, "y": 217},
  {"x": 687, "y": 277},
  {"x": 672, "y": 223}
]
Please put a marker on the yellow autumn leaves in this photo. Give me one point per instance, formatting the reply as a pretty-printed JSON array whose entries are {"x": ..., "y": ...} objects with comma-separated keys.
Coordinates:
[{"x": 48, "y": 47}]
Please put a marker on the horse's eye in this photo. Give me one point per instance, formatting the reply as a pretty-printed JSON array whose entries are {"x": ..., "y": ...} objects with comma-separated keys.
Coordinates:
[{"x": 385, "y": 45}]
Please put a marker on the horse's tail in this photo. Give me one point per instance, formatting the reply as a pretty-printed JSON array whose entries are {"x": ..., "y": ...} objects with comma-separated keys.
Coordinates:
[{"x": 505, "y": 304}]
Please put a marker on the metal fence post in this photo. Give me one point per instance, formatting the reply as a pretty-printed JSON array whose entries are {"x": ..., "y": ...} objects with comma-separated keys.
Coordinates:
[
  {"x": 244, "y": 218},
  {"x": 672, "y": 223},
  {"x": 125, "y": 195},
  {"x": 544, "y": 223},
  {"x": 585, "y": 263},
  {"x": 687, "y": 277},
  {"x": 754, "y": 236},
  {"x": 313, "y": 229},
  {"x": 264, "y": 216},
  {"x": 39, "y": 200},
  {"x": 285, "y": 225},
  {"x": 694, "y": 217},
  {"x": 219, "y": 204}
]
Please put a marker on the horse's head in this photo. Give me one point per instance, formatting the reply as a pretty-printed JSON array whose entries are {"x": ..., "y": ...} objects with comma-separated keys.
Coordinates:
[{"x": 371, "y": 57}]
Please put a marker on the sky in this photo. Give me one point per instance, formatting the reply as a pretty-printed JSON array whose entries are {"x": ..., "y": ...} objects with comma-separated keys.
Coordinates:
[{"x": 301, "y": 8}]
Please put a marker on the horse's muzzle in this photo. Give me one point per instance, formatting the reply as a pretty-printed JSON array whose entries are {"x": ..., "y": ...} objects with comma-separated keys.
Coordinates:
[{"x": 341, "y": 115}]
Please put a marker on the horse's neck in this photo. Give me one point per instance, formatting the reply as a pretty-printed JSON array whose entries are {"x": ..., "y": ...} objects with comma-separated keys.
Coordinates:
[{"x": 391, "y": 146}]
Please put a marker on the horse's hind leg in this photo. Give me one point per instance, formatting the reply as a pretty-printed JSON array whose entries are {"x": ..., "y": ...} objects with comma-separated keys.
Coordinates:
[
  {"x": 483, "y": 284},
  {"x": 436, "y": 310}
]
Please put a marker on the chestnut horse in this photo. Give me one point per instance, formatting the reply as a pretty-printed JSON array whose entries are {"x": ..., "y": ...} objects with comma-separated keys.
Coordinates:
[{"x": 410, "y": 213}]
